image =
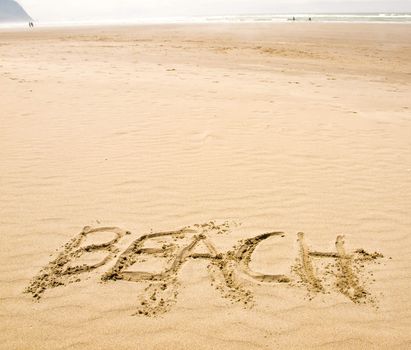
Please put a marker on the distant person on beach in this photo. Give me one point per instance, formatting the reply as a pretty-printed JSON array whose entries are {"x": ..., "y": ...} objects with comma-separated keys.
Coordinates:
[
  {"x": 293, "y": 18},
  {"x": 31, "y": 24},
  {"x": 309, "y": 18}
]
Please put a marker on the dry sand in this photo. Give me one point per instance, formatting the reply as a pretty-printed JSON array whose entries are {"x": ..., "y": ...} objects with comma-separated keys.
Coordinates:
[{"x": 243, "y": 187}]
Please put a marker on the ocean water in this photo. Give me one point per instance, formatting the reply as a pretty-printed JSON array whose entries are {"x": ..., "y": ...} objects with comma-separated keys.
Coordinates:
[
  {"x": 323, "y": 17},
  {"x": 246, "y": 18}
]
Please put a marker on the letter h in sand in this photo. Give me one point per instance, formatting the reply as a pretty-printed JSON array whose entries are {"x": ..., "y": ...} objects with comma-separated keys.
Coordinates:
[{"x": 347, "y": 281}]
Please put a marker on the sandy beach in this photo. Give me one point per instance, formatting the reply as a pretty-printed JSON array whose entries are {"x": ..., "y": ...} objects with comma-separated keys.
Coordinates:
[{"x": 243, "y": 186}]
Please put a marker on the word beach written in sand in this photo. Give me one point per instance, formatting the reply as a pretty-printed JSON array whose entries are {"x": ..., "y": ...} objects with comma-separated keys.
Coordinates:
[{"x": 229, "y": 271}]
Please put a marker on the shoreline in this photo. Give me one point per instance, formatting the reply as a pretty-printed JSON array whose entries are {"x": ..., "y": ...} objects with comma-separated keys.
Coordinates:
[
  {"x": 114, "y": 26},
  {"x": 300, "y": 18}
]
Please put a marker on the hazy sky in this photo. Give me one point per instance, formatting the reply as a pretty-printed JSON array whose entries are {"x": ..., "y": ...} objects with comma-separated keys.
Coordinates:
[{"x": 118, "y": 9}]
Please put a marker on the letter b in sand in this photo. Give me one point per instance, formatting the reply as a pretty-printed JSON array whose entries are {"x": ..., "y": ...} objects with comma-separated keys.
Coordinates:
[{"x": 62, "y": 269}]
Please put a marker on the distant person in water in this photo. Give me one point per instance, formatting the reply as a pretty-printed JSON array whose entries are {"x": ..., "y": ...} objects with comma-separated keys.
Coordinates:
[
  {"x": 293, "y": 18},
  {"x": 31, "y": 24},
  {"x": 309, "y": 18}
]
